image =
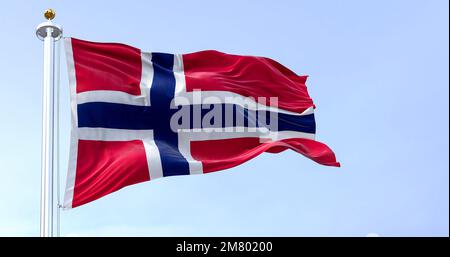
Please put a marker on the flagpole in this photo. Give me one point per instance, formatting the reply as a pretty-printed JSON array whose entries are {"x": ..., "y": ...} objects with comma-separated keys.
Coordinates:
[{"x": 49, "y": 33}]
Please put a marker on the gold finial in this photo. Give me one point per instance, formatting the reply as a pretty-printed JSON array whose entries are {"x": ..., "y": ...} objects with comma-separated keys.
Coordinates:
[{"x": 49, "y": 14}]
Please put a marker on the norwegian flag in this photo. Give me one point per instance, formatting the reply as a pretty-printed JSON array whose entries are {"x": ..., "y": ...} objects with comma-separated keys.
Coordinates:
[{"x": 127, "y": 106}]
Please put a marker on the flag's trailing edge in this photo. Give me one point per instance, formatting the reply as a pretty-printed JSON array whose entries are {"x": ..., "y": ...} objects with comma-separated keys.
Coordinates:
[{"x": 121, "y": 101}]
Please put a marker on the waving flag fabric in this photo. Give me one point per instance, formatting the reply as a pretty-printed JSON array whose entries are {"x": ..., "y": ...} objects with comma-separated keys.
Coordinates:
[{"x": 139, "y": 116}]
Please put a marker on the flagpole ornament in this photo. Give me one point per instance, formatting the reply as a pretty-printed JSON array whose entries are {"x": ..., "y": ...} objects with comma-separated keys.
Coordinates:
[
  {"x": 49, "y": 14},
  {"x": 44, "y": 27},
  {"x": 49, "y": 33}
]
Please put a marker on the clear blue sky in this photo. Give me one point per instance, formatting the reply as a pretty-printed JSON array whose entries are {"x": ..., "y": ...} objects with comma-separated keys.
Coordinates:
[{"x": 378, "y": 75}]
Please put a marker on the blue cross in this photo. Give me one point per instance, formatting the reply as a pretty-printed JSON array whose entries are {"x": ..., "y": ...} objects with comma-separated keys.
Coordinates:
[{"x": 157, "y": 116}]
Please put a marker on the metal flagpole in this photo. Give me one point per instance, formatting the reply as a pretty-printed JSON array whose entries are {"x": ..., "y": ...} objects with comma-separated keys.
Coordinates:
[
  {"x": 49, "y": 33},
  {"x": 57, "y": 94}
]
